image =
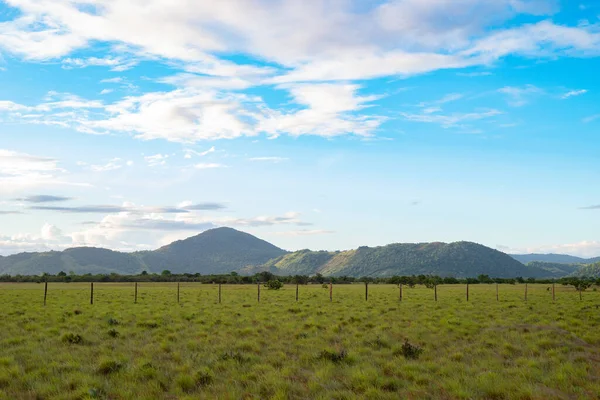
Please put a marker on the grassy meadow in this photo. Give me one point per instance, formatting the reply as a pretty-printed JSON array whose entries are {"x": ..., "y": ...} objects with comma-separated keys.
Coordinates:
[{"x": 282, "y": 349}]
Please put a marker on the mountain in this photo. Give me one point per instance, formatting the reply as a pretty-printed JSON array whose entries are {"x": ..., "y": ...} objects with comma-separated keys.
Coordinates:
[
  {"x": 459, "y": 259},
  {"x": 551, "y": 258},
  {"x": 218, "y": 251},
  {"x": 224, "y": 250},
  {"x": 556, "y": 269},
  {"x": 589, "y": 270}
]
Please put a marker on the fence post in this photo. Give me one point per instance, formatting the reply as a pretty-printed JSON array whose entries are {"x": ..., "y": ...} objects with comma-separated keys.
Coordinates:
[
  {"x": 45, "y": 292},
  {"x": 366, "y": 291},
  {"x": 467, "y": 291},
  {"x": 400, "y": 292},
  {"x": 296, "y": 291},
  {"x": 258, "y": 287},
  {"x": 219, "y": 293},
  {"x": 330, "y": 291},
  {"x": 178, "y": 292},
  {"x": 92, "y": 293},
  {"x": 135, "y": 295},
  {"x": 497, "y": 297},
  {"x": 580, "y": 298},
  {"x": 435, "y": 291},
  {"x": 553, "y": 292},
  {"x": 525, "y": 292}
]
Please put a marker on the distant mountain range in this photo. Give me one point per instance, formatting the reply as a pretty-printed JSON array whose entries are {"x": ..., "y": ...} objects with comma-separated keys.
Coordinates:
[
  {"x": 554, "y": 258},
  {"x": 226, "y": 250}
]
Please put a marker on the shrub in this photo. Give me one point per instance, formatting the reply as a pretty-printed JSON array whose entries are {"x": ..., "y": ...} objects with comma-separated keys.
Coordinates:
[
  {"x": 333, "y": 356},
  {"x": 234, "y": 355},
  {"x": 274, "y": 284},
  {"x": 410, "y": 351},
  {"x": 204, "y": 377},
  {"x": 113, "y": 333},
  {"x": 113, "y": 322},
  {"x": 109, "y": 366},
  {"x": 72, "y": 338}
]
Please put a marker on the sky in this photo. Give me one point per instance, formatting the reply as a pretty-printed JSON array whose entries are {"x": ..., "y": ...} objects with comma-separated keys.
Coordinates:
[{"x": 311, "y": 124}]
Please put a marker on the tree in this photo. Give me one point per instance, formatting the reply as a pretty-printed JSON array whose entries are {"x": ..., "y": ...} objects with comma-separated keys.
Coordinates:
[
  {"x": 274, "y": 284},
  {"x": 166, "y": 272}
]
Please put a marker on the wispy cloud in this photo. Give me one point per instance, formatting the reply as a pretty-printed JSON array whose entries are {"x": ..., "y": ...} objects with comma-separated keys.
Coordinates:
[
  {"x": 209, "y": 165},
  {"x": 520, "y": 96},
  {"x": 573, "y": 93},
  {"x": 269, "y": 159},
  {"x": 451, "y": 120},
  {"x": 591, "y": 118},
  {"x": 44, "y": 198},
  {"x": 594, "y": 207}
]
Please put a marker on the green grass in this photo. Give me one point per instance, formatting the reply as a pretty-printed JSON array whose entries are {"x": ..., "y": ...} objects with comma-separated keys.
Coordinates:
[{"x": 314, "y": 348}]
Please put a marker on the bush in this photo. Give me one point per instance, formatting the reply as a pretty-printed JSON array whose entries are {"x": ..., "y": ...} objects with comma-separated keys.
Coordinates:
[
  {"x": 72, "y": 338},
  {"x": 113, "y": 333},
  {"x": 109, "y": 367},
  {"x": 274, "y": 284},
  {"x": 410, "y": 351},
  {"x": 333, "y": 356}
]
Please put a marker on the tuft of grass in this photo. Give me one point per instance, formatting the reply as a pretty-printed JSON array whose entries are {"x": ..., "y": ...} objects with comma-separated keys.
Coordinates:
[
  {"x": 333, "y": 355},
  {"x": 108, "y": 367},
  {"x": 410, "y": 351},
  {"x": 72, "y": 338}
]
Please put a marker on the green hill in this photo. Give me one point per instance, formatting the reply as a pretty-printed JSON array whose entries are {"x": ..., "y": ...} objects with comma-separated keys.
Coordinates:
[
  {"x": 217, "y": 251},
  {"x": 459, "y": 259},
  {"x": 224, "y": 250},
  {"x": 589, "y": 270}
]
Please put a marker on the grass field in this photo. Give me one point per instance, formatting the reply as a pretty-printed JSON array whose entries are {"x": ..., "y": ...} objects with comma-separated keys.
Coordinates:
[{"x": 283, "y": 349}]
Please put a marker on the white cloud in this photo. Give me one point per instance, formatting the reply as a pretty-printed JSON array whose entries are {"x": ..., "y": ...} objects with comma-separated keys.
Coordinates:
[
  {"x": 573, "y": 93},
  {"x": 156, "y": 160},
  {"x": 190, "y": 152},
  {"x": 519, "y": 96},
  {"x": 269, "y": 159},
  {"x": 591, "y": 118},
  {"x": 209, "y": 165},
  {"x": 451, "y": 120},
  {"x": 106, "y": 91},
  {"x": 586, "y": 249},
  {"x": 22, "y": 171},
  {"x": 115, "y": 63},
  {"x": 111, "y": 165}
]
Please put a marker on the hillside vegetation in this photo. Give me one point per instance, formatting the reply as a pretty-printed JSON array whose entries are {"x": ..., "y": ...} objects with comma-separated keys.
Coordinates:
[
  {"x": 459, "y": 259},
  {"x": 225, "y": 250}
]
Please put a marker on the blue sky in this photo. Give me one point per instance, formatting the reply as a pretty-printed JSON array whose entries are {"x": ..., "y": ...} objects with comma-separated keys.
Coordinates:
[{"x": 323, "y": 125}]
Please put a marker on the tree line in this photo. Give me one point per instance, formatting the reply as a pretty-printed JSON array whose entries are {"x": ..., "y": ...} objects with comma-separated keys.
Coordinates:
[{"x": 235, "y": 278}]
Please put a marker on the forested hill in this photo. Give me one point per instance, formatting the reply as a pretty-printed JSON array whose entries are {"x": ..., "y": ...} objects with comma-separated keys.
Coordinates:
[
  {"x": 216, "y": 251},
  {"x": 553, "y": 258},
  {"x": 459, "y": 259},
  {"x": 224, "y": 250}
]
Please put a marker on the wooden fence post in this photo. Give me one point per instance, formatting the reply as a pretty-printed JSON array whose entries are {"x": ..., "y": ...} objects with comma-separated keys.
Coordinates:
[
  {"x": 467, "y": 291},
  {"x": 178, "y": 292},
  {"x": 219, "y": 293},
  {"x": 580, "y": 298},
  {"x": 92, "y": 293},
  {"x": 258, "y": 287},
  {"x": 330, "y": 291},
  {"x": 400, "y": 292},
  {"x": 45, "y": 292},
  {"x": 296, "y": 291},
  {"x": 435, "y": 292},
  {"x": 525, "y": 292},
  {"x": 497, "y": 297},
  {"x": 135, "y": 295},
  {"x": 553, "y": 292},
  {"x": 366, "y": 291}
]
